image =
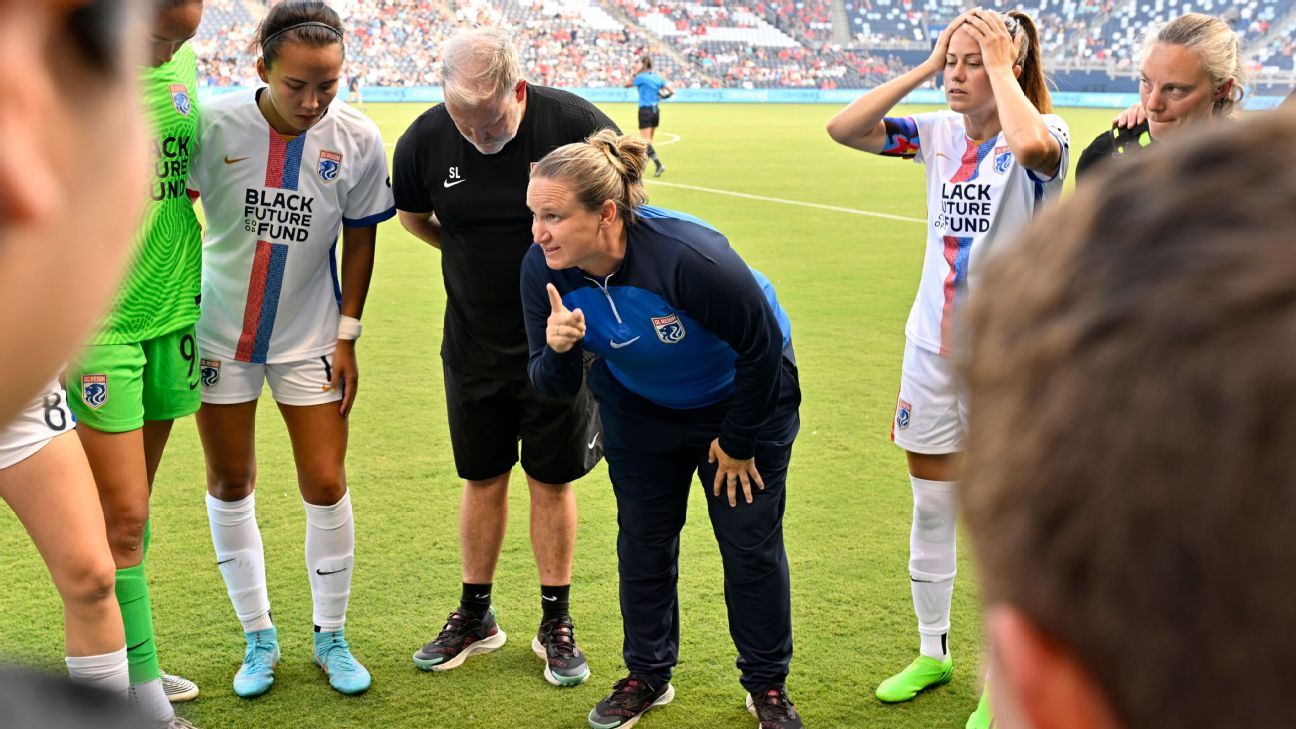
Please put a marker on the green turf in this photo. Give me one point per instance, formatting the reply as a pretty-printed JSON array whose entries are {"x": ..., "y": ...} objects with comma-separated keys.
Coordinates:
[{"x": 847, "y": 281}]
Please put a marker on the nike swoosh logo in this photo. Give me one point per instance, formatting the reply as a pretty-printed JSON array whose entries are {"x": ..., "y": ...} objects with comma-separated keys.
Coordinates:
[
  {"x": 619, "y": 345},
  {"x": 448, "y": 183},
  {"x": 140, "y": 644},
  {"x": 593, "y": 441},
  {"x": 482, "y": 597},
  {"x": 236, "y": 160},
  {"x": 334, "y": 572},
  {"x": 548, "y": 599},
  {"x": 223, "y": 561},
  {"x": 193, "y": 386}
]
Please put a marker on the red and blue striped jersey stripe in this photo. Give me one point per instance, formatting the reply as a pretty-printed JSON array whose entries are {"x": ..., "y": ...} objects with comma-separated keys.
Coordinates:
[{"x": 283, "y": 170}]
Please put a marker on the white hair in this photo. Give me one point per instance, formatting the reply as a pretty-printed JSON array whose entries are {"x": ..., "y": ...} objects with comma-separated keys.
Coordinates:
[{"x": 478, "y": 65}]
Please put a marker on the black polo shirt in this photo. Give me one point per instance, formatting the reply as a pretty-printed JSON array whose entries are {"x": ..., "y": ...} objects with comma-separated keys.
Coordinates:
[{"x": 480, "y": 201}]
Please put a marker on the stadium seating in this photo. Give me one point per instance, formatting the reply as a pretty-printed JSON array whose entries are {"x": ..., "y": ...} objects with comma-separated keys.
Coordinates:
[{"x": 1089, "y": 44}]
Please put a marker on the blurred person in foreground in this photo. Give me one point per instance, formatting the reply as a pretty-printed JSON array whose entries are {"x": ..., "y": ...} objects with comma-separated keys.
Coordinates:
[
  {"x": 64, "y": 234},
  {"x": 1129, "y": 484}
]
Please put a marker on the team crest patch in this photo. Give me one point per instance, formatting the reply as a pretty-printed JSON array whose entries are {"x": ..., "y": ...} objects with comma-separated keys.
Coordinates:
[
  {"x": 210, "y": 372},
  {"x": 1003, "y": 158},
  {"x": 903, "y": 411},
  {"x": 180, "y": 99},
  {"x": 94, "y": 390},
  {"x": 670, "y": 330},
  {"x": 330, "y": 164}
]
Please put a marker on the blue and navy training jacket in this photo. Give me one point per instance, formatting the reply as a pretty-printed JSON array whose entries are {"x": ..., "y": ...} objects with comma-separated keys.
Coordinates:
[{"x": 684, "y": 323}]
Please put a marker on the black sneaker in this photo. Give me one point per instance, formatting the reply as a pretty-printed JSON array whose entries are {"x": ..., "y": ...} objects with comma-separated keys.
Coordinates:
[
  {"x": 565, "y": 664},
  {"x": 773, "y": 709},
  {"x": 462, "y": 636},
  {"x": 631, "y": 697},
  {"x": 660, "y": 169}
]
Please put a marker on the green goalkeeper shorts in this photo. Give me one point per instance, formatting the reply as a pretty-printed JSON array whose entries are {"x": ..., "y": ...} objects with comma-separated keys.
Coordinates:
[{"x": 114, "y": 388}]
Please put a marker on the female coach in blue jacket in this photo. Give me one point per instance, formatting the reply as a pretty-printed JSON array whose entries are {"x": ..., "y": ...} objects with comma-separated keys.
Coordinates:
[{"x": 693, "y": 371}]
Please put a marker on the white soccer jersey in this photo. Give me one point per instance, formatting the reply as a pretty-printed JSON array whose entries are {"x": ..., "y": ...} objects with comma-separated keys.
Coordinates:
[
  {"x": 274, "y": 209},
  {"x": 978, "y": 198}
]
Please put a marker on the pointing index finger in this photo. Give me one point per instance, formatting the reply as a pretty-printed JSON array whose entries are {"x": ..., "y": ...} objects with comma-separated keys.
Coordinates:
[{"x": 555, "y": 301}]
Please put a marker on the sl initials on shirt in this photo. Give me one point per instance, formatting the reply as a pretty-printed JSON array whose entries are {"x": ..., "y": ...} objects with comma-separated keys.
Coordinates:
[{"x": 453, "y": 178}]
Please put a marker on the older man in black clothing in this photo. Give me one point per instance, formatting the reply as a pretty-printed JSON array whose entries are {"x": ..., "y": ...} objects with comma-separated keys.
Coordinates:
[{"x": 460, "y": 179}]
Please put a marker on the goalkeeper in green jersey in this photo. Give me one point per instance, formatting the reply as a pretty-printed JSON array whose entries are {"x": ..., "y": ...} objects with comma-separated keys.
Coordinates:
[{"x": 140, "y": 370}]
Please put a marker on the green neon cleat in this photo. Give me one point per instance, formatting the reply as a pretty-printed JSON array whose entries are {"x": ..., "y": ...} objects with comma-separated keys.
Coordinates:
[
  {"x": 983, "y": 717},
  {"x": 922, "y": 674}
]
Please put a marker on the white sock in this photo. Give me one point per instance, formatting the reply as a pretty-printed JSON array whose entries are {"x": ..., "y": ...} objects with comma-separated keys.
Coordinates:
[
  {"x": 152, "y": 700},
  {"x": 330, "y": 556},
  {"x": 933, "y": 561},
  {"x": 241, "y": 558},
  {"x": 109, "y": 671}
]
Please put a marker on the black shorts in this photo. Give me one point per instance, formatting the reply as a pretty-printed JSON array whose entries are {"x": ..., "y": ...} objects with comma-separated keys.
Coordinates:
[
  {"x": 649, "y": 117},
  {"x": 561, "y": 439}
]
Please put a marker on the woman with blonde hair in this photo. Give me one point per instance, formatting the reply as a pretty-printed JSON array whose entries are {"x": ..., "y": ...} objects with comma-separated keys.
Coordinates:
[
  {"x": 1191, "y": 72},
  {"x": 693, "y": 372}
]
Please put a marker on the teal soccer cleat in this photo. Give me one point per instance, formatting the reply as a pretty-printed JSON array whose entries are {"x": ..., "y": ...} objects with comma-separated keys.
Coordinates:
[
  {"x": 343, "y": 670},
  {"x": 256, "y": 675}
]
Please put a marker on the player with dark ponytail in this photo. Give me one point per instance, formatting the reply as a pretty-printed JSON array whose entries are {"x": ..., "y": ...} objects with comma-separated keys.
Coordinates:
[{"x": 287, "y": 169}]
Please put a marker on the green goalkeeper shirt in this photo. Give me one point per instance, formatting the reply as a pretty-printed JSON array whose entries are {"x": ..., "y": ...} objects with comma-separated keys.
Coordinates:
[{"x": 162, "y": 284}]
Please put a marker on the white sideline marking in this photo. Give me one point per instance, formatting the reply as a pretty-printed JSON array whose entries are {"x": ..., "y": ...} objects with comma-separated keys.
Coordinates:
[
  {"x": 764, "y": 198},
  {"x": 655, "y": 142}
]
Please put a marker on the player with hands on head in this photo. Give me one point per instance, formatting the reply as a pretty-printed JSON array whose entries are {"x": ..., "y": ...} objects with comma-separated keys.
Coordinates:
[
  {"x": 283, "y": 170},
  {"x": 693, "y": 372},
  {"x": 1191, "y": 72},
  {"x": 991, "y": 160}
]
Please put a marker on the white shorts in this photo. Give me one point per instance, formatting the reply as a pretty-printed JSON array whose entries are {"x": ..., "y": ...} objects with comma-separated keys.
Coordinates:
[
  {"x": 304, "y": 382},
  {"x": 46, "y": 416},
  {"x": 931, "y": 412}
]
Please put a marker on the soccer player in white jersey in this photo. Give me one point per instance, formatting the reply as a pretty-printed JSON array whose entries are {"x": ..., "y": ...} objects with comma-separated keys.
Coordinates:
[
  {"x": 281, "y": 171},
  {"x": 991, "y": 159}
]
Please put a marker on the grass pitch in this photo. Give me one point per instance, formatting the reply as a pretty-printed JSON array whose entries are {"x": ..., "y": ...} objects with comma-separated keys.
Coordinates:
[{"x": 847, "y": 280}]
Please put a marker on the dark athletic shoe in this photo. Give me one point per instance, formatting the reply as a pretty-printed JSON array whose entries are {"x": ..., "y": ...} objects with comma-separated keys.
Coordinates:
[
  {"x": 660, "y": 169},
  {"x": 773, "y": 709},
  {"x": 565, "y": 664},
  {"x": 631, "y": 697},
  {"x": 462, "y": 636}
]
